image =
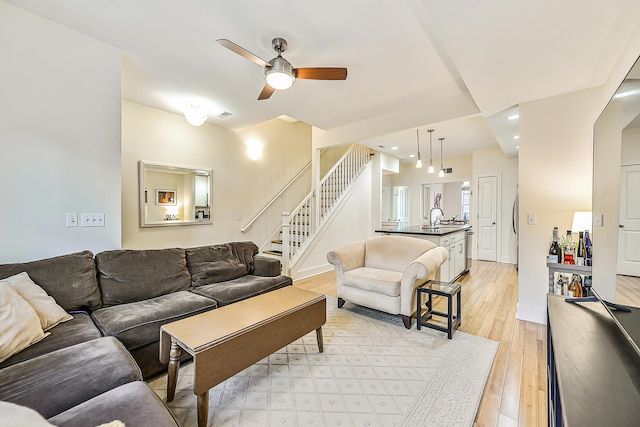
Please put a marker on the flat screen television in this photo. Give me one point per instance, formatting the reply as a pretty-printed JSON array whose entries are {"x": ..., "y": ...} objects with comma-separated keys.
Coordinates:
[{"x": 616, "y": 204}]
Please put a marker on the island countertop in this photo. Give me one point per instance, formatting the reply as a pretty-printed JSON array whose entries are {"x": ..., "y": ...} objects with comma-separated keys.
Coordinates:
[{"x": 436, "y": 230}]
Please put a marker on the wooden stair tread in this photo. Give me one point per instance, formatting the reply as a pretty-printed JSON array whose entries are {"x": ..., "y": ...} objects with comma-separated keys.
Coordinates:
[{"x": 273, "y": 252}]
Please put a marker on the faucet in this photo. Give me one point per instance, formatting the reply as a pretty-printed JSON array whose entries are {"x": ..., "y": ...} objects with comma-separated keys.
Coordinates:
[{"x": 438, "y": 216}]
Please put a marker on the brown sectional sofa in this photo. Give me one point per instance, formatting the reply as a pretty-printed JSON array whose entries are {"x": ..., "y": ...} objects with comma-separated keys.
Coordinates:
[{"x": 119, "y": 299}]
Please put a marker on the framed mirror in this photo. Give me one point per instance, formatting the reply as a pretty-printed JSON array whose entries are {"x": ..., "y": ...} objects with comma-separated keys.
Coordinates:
[{"x": 173, "y": 195}]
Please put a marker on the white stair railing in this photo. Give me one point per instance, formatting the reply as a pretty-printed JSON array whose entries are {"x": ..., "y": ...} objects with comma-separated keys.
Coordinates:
[
  {"x": 276, "y": 197},
  {"x": 340, "y": 177},
  {"x": 299, "y": 226}
]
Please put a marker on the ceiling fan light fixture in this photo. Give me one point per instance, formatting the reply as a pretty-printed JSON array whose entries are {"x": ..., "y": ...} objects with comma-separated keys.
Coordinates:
[
  {"x": 280, "y": 74},
  {"x": 195, "y": 116}
]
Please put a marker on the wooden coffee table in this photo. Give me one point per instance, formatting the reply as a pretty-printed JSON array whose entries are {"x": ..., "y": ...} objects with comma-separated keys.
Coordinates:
[{"x": 229, "y": 339}]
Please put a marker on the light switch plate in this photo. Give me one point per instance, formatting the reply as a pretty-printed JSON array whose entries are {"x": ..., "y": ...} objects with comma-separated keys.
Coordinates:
[
  {"x": 598, "y": 220},
  {"x": 72, "y": 219},
  {"x": 531, "y": 219},
  {"x": 92, "y": 220}
]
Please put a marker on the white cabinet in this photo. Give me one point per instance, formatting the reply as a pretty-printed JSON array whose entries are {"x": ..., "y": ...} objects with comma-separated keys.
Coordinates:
[{"x": 455, "y": 244}]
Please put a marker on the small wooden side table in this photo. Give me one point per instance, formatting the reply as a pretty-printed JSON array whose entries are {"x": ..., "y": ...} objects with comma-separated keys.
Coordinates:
[{"x": 447, "y": 290}]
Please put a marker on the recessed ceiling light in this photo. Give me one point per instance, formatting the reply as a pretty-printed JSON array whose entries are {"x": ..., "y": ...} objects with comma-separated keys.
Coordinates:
[
  {"x": 394, "y": 148},
  {"x": 412, "y": 155},
  {"x": 517, "y": 147},
  {"x": 516, "y": 137},
  {"x": 513, "y": 117}
]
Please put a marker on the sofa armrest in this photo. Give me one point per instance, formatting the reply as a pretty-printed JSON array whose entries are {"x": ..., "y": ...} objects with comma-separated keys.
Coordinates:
[
  {"x": 417, "y": 272},
  {"x": 265, "y": 266},
  {"x": 347, "y": 257},
  {"x": 54, "y": 382}
]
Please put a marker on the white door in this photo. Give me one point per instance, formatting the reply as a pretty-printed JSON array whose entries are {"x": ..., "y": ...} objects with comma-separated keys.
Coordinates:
[
  {"x": 629, "y": 231},
  {"x": 401, "y": 204},
  {"x": 487, "y": 217}
]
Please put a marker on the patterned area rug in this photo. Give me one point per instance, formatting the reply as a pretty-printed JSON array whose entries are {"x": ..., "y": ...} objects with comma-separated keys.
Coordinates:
[{"x": 373, "y": 372}]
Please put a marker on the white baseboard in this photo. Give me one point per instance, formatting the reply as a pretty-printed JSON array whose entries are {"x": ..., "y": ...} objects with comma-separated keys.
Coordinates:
[
  {"x": 310, "y": 272},
  {"x": 532, "y": 314},
  {"x": 508, "y": 260}
]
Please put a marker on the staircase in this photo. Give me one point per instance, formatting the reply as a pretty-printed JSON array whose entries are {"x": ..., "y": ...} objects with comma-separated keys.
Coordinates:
[
  {"x": 301, "y": 225},
  {"x": 296, "y": 233}
]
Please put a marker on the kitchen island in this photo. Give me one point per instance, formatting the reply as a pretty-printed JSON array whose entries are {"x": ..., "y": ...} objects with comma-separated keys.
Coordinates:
[{"x": 453, "y": 237}]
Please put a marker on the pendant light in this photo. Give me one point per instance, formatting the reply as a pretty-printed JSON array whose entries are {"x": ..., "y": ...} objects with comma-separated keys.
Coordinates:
[
  {"x": 431, "y": 169},
  {"x": 419, "y": 161},
  {"x": 441, "y": 174}
]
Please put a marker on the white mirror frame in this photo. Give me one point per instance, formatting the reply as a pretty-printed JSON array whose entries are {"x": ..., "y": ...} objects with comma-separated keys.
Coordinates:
[{"x": 175, "y": 214}]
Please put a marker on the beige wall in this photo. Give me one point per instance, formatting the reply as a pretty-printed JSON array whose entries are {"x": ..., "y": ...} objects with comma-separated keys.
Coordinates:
[
  {"x": 555, "y": 181},
  {"x": 240, "y": 186},
  {"x": 60, "y": 138},
  {"x": 493, "y": 162}
]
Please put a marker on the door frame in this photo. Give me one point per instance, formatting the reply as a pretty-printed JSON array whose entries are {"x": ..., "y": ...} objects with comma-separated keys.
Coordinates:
[{"x": 499, "y": 221}]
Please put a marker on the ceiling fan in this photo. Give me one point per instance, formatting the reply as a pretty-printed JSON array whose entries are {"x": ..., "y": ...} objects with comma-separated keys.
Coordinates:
[{"x": 279, "y": 73}]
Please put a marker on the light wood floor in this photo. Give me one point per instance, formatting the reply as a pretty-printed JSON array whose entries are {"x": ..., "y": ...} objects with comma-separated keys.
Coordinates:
[{"x": 516, "y": 391}]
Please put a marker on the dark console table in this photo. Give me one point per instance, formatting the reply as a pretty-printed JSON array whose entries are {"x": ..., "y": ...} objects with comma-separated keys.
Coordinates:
[{"x": 593, "y": 371}]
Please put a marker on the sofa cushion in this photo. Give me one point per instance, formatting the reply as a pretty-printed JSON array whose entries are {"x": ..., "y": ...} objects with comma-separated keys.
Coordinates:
[
  {"x": 219, "y": 263},
  {"x": 69, "y": 279},
  {"x": 49, "y": 312},
  {"x": 138, "y": 323},
  {"x": 242, "y": 288},
  {"x": 126, "y": 275},
  {"x": 135, "y": 404},
  {"x": 394, "y": 252},
  {"x": 62, "y": 379},
  {"x": 19, "y": 323},
  {"x": 385, "y": 282},
  {"x": 77, "y": 330}
]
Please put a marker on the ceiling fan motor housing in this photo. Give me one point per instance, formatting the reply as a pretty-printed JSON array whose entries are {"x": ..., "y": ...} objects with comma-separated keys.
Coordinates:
[{"x": 279, "y": 44}]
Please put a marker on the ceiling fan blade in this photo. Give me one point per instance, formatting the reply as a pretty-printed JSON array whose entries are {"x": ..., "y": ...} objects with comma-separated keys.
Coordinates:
[
  {"x": 267, "y": 91},
  {"x": 321, "y": 73},
  {"x": 242, "y": 52}
]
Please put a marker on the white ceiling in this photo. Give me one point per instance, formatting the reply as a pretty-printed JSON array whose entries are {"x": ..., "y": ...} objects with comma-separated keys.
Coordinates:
[{"x": 454, "y": 66}]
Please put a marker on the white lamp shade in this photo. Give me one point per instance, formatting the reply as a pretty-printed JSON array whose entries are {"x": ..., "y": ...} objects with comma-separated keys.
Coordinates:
[
  {"x": 279, "y": 80},
  {"x": 194, "y": 116},
  {"x": 431, "y": 169},
  {"x": 581, "y": 221},
  {"x": 419, "y": 164},
  {"x": 441, "y": 173}
]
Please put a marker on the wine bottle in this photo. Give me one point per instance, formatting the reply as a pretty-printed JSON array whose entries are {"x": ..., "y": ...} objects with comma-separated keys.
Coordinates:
[
  {"x": 580, "y": 252},
  {"x": 586, "y": 286},
  {"x": 588, "y": 248},
  {"x": 569, "y": 249},
  {"x": 555, "y": 253},
  {"x": 575, "y": 289}
]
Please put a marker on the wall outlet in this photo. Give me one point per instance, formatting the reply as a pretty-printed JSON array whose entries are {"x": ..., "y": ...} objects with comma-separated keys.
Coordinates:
[
  {"x": 239, "y": 216},
  {"x": 92, "y": 220},
  {"x": 72, "y": 219}
]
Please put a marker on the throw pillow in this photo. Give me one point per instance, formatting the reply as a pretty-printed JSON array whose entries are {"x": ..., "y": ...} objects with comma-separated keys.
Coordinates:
[
  {"x": 49, "y": 312},
  {"x": 116, "y": 423},
  {"x": 19, "y": 324},
  {"x": 12, "y": 415}
]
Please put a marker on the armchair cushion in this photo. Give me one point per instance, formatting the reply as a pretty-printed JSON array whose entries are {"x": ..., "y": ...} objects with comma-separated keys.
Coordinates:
[{"x": 385, "y": 282}]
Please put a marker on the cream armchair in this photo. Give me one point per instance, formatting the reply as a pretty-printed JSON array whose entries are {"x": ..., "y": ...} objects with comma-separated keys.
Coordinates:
[{"x": 382, "y": 272}]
